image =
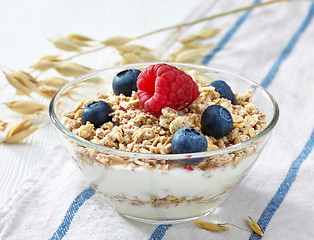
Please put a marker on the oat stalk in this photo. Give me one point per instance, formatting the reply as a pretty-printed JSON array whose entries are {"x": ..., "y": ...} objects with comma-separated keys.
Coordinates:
[
  {"x": 209, "y": 18},
  {"x": 231, "y": 224},
  {"x": 218, "y": 227},
  {"x": 179, "y": 26}
]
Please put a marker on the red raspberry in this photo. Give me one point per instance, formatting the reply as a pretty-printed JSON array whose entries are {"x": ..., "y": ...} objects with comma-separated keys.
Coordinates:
[
  {"x": 188, "y": 167},
  {"x": 163, "y": 85}
]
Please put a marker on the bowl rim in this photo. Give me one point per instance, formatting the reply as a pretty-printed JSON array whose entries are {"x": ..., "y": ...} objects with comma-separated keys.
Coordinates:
[{"x": 81, "y": 141}]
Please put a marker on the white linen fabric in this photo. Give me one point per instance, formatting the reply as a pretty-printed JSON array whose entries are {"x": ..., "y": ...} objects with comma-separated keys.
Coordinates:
[{"x": 273, "y": 46}]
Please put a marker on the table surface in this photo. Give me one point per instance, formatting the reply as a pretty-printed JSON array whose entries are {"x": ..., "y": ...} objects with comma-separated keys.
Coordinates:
[{"x": 25, "y": 28}]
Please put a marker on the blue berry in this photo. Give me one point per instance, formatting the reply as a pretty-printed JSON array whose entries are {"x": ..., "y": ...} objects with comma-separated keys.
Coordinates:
[
  {"x": 216, "y": 121},
  {"x": 189, "y": 140},
  {"x": 224, "y": 90},
  {"x": 97, "y": 113},
  {"x": 125, "y": 82}
]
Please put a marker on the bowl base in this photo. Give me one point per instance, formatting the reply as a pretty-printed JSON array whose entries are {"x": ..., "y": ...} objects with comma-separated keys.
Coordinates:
[{"x": 166, "y": 221}]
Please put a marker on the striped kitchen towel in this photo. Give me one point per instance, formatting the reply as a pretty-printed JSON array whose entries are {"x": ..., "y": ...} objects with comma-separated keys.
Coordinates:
[{"x": 272, "y": 46}]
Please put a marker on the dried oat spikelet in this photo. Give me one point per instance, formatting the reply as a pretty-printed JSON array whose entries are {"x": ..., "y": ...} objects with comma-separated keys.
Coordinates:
[
  {"x": 26, "y": 107},
  {"x": 255, "y": 227},
  {"x": 28, "y": 80},
  {"x": 51, "y": 57},
  {"x": 46, "y": 62},
  {"x": 26, "y": 84},
  {"x": 3, "y": 125},
  {"x": 191, "y": 56},
  {"x": 212, "y": 226},
  {"x": 43, "y": 65},
  {"x": 136, "y": 53},
  {"x": 96, "y": 80},
  {"x": 55, "y": 82},
  {"x": 18, "y": 93},
  {"x": 188, "y": 38},
  {"x": 21, "y": 88},
  {"x": 116, "y": 41},
  {"x": 80, "y": 40},
  {"x": 70, "y": 69},
  {"x": 141, "y": 51},
  {"x": 190, "y": 46},
  {"x": 65, "y": 44},
  {"x": 132, "y": 48},
  {"x": 131, "y": 58},
  {"x": 208, "y": 33},
  {"x": 46, "y": 92},
  {"x": 23, "y": 82},
  {"x": 148, "y": 57},
  {"x": 79, "y": 37},
  {"x": 81, "y": 43},
  {"x": 204, "y": 34},
  {"x": 21, "y": 130},
  {"x": 190, "y": 52}
]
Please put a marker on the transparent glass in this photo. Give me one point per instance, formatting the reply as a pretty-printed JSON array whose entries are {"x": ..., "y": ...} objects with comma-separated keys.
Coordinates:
[{"x": 167, "y": 192}]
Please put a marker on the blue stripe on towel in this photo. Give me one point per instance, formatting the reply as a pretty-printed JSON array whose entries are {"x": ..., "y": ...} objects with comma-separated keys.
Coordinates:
[
  {"x": 287, "y": 50},
  {"x": 161, "y": 229},
  {"x": 228, "y": 35},
  {"x": 206, "y": 60},
  {"x": 74, "y": 207},
  {"x": 285, "y": 186},
  {"x": 159, "y": 232}
]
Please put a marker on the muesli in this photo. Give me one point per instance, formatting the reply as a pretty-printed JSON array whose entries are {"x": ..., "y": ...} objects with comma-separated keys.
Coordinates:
[{"x": 163, "y": 110}]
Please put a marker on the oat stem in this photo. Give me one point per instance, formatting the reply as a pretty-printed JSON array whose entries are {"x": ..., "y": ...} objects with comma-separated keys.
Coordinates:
[
  {"x": 179, "y": 26},
  {"x": 237, "y": 227},
  {"x": 209, "y": 18}
]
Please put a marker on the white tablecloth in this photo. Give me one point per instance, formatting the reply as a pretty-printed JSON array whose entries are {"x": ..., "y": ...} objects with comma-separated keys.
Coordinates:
[{"x": 271, "y": 45}]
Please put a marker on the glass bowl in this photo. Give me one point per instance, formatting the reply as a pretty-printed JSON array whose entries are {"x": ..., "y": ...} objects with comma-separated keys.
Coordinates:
[{"x": 161, "y": 188}]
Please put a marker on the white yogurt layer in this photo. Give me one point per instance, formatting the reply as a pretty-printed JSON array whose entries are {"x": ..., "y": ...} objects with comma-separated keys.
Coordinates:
[{"x": 131, "y": 191}]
